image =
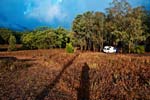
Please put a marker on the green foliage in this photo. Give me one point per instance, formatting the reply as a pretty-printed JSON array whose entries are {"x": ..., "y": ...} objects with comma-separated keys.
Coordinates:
[
  {"x": 121, "y": 24},
  {"x": 45, "y": 39},
  {"x": 125, "y": 23},
  {"x": 28, "y": 41},
  {"x": 89, "y": 30},
  {"x": 18, "y": 36},
  {"x": 138, "y": 49},
  {"x": 62, "y": 37},
  {"x": 5, "y": 34},
  {"x": 41, "y": 28},
  {"x": 69, "y": 48},
  {"x": 12, "y": 43}
]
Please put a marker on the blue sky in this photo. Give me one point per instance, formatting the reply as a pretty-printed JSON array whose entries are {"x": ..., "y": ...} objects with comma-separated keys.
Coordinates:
[{"x": 28, "y": 14}]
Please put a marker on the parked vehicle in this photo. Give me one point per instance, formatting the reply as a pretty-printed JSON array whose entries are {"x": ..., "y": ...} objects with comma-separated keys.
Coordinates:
[{"x": 109, "y": 49}]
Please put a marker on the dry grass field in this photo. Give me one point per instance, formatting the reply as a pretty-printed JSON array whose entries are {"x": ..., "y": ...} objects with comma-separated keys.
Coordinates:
[{"x": 57, "y": 75}]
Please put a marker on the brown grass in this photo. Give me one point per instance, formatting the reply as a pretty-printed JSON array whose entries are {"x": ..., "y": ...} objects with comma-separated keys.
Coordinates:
[{"x": 56, "y": 75}]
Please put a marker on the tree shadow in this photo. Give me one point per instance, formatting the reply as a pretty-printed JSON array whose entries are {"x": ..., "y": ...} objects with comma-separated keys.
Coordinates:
[
  {"x": 8, "y": 58},
  {"x": 18, "y": 64},
  {"x": 49, "y": 87},
  {"x": 83, "y": 90},
  {"x": 11, "y": 58}
]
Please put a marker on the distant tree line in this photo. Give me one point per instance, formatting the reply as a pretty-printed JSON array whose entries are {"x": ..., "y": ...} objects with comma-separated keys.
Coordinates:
[
  {"x": 121, "y": 26},
  {"x": 46, "y": 39}
]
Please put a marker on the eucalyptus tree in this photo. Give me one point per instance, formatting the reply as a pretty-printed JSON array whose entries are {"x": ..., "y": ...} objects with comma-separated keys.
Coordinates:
[
  {"x": 79, "y": 28},
  {"x": 88, "y": 29},
  {"x": 124, "y": 23},
  {"x": 135, "y": 27},
  {"x": 98, "y": 36}
]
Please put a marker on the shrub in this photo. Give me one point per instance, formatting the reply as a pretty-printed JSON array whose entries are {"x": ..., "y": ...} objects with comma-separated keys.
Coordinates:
[
  {"x": 12, "y": 43},
  {"x": 139, "y": 49},
  {"x": 69, "y": 48}
]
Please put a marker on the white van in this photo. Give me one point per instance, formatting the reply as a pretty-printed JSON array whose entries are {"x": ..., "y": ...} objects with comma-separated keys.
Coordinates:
[{"x": 109, "y": 49}]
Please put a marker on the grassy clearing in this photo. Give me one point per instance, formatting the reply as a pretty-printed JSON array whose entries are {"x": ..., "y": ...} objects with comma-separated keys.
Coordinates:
[{"x": 57, "y": 75}]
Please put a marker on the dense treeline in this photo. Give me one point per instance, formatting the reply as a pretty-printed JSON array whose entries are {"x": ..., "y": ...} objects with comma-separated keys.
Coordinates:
[
  {"x": 45, "y": 39},
  {"x": 40, "y": 38},
  {"x": 6, "y": 33},
  {"x": 121, "y": 26}
]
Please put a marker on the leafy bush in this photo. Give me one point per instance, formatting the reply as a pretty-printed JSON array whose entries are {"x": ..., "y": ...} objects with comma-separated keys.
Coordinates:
[
  {"x": 139, "y": 49},
  {"x": 69, "y": 48},
  {"x": 12, "y": 43}
]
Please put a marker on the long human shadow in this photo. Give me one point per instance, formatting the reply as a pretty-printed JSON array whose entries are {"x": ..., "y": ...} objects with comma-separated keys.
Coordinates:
[
  {"x": 83, "y": 91},
  {"x": 49, "y": 87}
]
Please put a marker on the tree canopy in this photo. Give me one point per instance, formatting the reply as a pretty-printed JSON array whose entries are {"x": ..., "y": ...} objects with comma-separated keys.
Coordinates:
[
  {"x": 89, "y": 30},
  {"x": 45, "y": 39},
  {"x": 121, "y": 24}
]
